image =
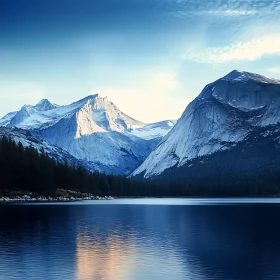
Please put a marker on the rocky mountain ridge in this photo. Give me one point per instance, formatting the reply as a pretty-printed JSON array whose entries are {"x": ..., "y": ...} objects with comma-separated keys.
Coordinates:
[
  {"x": 93, "y": 130},
  {"x": 224, "y": 113}
]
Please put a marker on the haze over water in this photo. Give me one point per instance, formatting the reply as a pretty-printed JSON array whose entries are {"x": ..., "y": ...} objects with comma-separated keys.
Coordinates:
[{"x": 141, "y": 239}]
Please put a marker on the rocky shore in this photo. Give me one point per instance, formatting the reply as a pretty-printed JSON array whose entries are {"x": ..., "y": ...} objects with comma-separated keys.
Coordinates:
[{"x": 61, "y": 196}]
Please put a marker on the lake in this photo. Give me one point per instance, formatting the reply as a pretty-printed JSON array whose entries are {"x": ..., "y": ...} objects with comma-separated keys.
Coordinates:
[{"x": 141, "y": 239}]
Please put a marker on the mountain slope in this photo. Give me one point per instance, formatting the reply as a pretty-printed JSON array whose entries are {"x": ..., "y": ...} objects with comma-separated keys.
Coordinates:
[
  {"x": 222, "y": 116},
  {"x": 92, "y": 129},
  {"x": 110, "y": 152},
  {"x": 27, "y": 139},
  {"x": 95, "y": 133},
  {"x": 251, "y": 167}
]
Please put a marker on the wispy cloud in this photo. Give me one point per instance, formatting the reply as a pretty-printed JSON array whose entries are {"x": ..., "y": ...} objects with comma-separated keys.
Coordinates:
[
  {"x": 215, "y": 13},
  {"x": 230, "y": 12},
  {"x": 253, "y": 49},
  {"x": 227, "y": 31},
  {"x": 274, "y": 70}
]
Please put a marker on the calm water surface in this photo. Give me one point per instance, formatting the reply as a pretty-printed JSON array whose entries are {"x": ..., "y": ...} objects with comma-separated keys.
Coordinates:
[{"x": 141, "y": 239}]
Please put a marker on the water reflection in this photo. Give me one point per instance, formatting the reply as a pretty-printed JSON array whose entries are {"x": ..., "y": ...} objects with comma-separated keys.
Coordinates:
[
  {"x": 132, "y": 242},
  {"x": 136, "y": 242},
  {"x": 104, "y": 261}
]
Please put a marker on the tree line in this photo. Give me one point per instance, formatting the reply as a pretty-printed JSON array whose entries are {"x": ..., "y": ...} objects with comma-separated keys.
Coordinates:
[
  {"x": 228, "y": 173},
  {"x": 27, "y": 169},
  {"x": 250, "y": 168}
]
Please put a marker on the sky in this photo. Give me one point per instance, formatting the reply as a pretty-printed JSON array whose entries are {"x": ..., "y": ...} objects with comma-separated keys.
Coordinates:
[{"x": 150, "y": 57}]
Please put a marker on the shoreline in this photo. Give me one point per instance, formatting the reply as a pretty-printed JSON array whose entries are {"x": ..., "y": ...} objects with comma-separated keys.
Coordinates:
[{"x": 26, "y": 198}]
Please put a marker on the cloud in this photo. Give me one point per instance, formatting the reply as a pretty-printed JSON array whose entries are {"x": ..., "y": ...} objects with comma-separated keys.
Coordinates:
[
  {"x": 229, "y": 12},
  {"x": 221, "y": 8},
  {"x": 224, "y": 4},
  {"x": 274, "y": 70},
  {"x": 253, "y": 49},
  {"x": 218, "y": 31},
  {"x": 232, "y": 12},
  {"x": 215, "y": 13}
]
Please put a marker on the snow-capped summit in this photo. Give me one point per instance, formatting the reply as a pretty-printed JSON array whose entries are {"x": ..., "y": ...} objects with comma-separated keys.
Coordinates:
[
  {"x": 243, "y": 76},
  {"x": 93, "y": 108},
  {"x": 92, "y": 129},
  {"x": 106, "y": 114},
  {"x": 25, "y": 112},
  {"x": 28, "y": 114},
  {"x": 45, "y": 105},
  {"x": 221, "y": 116}
]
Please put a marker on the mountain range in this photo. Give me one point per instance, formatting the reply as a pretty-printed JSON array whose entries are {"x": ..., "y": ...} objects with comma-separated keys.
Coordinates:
[
  {"x": 93, "y": 130},
  {"x": 231, "y": 130}
]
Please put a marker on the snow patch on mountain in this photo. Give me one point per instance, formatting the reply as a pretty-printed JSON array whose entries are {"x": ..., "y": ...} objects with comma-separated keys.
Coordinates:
[{"x": 154, "y": 130}]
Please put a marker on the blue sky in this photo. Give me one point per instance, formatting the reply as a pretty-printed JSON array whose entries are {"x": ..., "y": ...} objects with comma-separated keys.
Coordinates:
[{"x": 149, "y": 57}]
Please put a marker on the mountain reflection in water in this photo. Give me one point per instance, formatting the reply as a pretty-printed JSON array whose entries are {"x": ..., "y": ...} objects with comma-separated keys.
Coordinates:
[{"x": 111, "y": 241}]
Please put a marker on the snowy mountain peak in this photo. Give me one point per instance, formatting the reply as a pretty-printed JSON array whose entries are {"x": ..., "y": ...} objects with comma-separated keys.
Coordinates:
[
  {"x": 25, "y": 112},
  {"x": 92, "y": 129},
  {"x": 242, "y": 90},
  {"x": 243, "y": 76},
  {"x": 27, "y": 108},
  {"x": 221, "y": 116},
  {"x": 96, "y": 100},
  {"x": 89, "y": 97},
  {"x": 90, "y": 114},
  {"x": 44, "y": 105}
]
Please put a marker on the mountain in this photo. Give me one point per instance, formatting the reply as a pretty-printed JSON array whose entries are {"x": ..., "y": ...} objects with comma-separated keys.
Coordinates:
[
  {"x": 155, "y": 130},
  {"x": 224, "y": 119},
  {"x": 29, "y": 116},
  {"x": 27, "y": 139},
  {"x": 92, "y": 129},
  {"x": 105, "y": 115},
  {"x": 251, "y": 167}
]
